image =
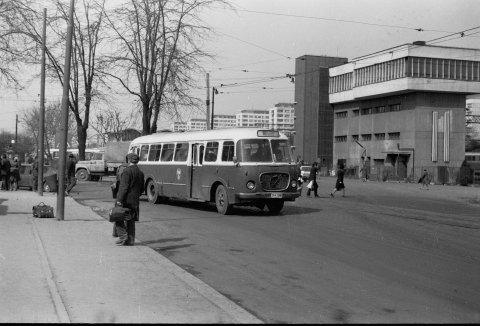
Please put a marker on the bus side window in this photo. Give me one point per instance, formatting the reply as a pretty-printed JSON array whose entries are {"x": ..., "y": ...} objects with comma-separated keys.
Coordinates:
[
  {"x": 144, "y": 152},
  {"x": 167, "y": 152},
  {"x": 211, "y": 152},
  {"x": 154, "y": 154},
  {"x": 228, "y": 151},
  {"x": 181, "y": 152}
]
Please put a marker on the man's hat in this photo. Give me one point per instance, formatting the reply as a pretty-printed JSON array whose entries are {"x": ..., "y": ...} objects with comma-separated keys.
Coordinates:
[
  {"x": 133, "y": 158},
  {"x": 71, "y": 155}
]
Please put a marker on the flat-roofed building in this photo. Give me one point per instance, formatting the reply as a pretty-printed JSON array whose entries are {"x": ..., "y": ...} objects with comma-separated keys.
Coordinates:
[
  {"x": 402, "y": 110},
  {"x": 252, "y": 118}
]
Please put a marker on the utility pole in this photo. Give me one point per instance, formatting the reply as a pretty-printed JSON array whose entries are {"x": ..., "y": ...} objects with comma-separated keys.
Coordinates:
[
  {"x": 41, "y": 128},
  {"x": 208, "y": 100},
  {"x": 214, "y": 91},
  {"x": 64, "y": 120},
  {"x": 16, "y": 128}
]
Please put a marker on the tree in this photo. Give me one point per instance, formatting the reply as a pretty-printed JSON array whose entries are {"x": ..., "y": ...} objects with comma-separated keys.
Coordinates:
[
  {"x": 111, "y": 123},
  {"x": 25, "y": 22},
  {"x": 157, "y": 52},
  {"x": 29, "y": 119},
  {"x": 8, "y": 50}
]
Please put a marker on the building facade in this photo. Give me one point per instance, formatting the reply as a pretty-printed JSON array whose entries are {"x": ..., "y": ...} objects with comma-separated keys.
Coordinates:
[
  {"x": 401, "y": 111},
  {"x": 282, "y": 117},
  {"x": 252, "y": 118},
  {"x": 313, "y": 114}
]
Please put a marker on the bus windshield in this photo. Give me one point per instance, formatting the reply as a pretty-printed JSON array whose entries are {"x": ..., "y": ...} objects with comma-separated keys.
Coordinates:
[{"x": 260, "y": 150}]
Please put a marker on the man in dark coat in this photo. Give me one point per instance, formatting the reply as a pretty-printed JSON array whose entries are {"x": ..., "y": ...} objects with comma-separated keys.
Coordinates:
[
  {"x": 35, "y": 174},
  {"x": 6, "y": 165},
  {"x": 70, "y": 174},
  {"x": 129, "y": 191}
]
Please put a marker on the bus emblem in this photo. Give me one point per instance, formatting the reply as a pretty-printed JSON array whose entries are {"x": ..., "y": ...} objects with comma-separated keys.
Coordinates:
[{"x": 179, "y": 174}]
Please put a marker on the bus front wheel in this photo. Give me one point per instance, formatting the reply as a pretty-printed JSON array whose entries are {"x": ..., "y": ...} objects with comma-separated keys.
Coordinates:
[
  {"x": 152, "y": 193},
  {"x": 221, "y": 200},
  {"x": 275, "y": 206}
]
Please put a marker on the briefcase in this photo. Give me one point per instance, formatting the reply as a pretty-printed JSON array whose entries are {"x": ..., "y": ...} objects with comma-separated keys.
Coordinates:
[
  {"x": 118, "y": 214},
  {"x": 43, "y": 211}
]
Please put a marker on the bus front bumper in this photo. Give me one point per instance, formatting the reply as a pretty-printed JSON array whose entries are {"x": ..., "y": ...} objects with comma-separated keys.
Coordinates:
[{"x": 259, "y": 196}]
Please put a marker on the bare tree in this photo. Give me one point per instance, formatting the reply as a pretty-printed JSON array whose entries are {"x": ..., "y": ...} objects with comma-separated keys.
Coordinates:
[
  {"x": 112, "y": 123},
  {"x": 30, "y": 117},
  {"x": 158, "y": 51},
  {"x": 8, "y": 50},
  {"x": 25, "y": 24}
]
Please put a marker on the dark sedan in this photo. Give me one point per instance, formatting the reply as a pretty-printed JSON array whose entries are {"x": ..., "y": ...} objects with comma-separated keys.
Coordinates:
[{"x": 49, "y": 177}]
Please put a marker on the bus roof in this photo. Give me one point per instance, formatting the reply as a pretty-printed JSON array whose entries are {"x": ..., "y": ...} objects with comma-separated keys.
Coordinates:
[{"x": 204, "y": 135}]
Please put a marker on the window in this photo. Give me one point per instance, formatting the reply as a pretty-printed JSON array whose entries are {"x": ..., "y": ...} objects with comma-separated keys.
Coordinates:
[
  {"x": 254, "y": 150},
  {"x": 167, "y": 152},
  {"x": 366, "y": 137},
  {"x": 143, "y": 152},
  {"x": 380, "y": 109},
  {"x": 340, "y": 115},
  {"x": 227, "y": 151},
  {"x": 394, "y": 107},
  {"x": 366, "y": 111},
  {"x": 181, "y": 152},
  {"x": 154, "y": 154},
  {"x": 380, "y": 136},
  {"x": 340, "y": 139},
  {"x": 356, "y": 113},
  {"x": 355, "y": 138},
  {"x": 211, "y": 152},
  {"x": 281, "y": 150},
  {"x": 393, "y": 135}
]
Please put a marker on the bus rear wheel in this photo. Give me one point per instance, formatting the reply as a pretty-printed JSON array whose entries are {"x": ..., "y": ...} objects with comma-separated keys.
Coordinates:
[
  {"x": 275, "y": 206},
  {"x": 152, "y": 193},
  {"x": 221, "y": 200}
]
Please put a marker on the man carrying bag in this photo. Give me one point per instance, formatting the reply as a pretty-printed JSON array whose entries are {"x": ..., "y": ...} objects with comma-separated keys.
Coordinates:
[{"x": 129, "y": 191}]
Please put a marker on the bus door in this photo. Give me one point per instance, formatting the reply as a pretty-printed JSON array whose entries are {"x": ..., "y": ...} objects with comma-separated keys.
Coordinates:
[{"x": 195, "y": 174}]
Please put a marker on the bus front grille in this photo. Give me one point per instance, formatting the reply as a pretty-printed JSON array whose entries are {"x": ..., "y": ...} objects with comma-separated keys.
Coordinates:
[{"x": 274, "y": 181}]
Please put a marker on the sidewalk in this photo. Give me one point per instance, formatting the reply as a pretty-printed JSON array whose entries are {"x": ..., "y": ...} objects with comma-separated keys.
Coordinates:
[{"x": 71, "y": 271}]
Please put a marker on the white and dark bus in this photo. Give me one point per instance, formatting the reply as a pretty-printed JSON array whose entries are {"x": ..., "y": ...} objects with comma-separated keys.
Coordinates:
[{"x": 240, "y": 166}]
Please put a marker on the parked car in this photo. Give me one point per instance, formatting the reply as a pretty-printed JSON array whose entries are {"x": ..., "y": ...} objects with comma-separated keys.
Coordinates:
[
  {"x": 49, "y": 177},
  {"x": 305, "y": 172}
]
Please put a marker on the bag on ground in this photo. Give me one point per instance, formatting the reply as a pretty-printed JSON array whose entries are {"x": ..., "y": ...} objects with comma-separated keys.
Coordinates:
[
  {"x": 42, "y": 211},
  {"x": 310, "y": 184},
  {"x": 118, "y": 214}
]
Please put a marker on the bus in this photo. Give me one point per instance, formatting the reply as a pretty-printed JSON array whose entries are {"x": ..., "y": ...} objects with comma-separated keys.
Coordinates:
[{"x": 238, "y": 166}]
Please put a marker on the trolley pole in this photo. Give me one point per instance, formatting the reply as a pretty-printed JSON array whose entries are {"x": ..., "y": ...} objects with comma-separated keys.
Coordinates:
[
  {"x": 64, "y": 120},
  {"x": 208, "y": 101}
]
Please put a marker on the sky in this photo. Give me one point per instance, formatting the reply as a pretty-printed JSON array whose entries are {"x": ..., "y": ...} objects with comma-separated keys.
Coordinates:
[{"x": 255, "y": 46}]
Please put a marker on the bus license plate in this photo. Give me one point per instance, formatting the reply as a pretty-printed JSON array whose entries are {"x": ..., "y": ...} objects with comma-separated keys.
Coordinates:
[{"x": 276, "y": 195}]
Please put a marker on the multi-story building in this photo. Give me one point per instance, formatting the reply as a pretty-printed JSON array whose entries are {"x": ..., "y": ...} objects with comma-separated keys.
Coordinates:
[
  {"x": 281, "y": 117},
  {"x": 196, "y": 124},
  {"x": 178, "y": 126},
  {"x": 221, "y": 121},
  {"x": 402, "y": 110},
  {"x": 252, "y": 118},
  {"x": 313, "y": 114}
]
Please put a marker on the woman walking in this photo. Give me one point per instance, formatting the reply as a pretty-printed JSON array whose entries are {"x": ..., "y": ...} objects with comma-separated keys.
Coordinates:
[{"x": 339, "y": 185}]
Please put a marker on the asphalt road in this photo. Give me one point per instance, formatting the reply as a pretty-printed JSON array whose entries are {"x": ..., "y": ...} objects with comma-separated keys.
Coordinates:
[{"x": 386, "y": 253}]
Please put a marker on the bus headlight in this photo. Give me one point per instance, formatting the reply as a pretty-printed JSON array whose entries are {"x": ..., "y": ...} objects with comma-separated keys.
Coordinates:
[
  {"x": 293, "y": 183},
  {"x": 251, "y": 185}
]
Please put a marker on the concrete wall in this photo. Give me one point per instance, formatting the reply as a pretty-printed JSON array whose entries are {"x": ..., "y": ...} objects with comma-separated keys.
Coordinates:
[{"x": 313, "y": 114}]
